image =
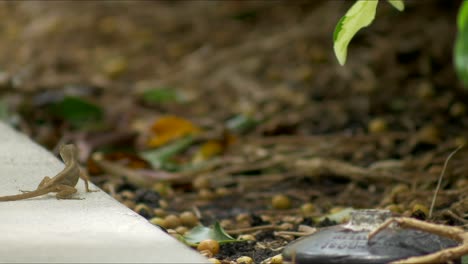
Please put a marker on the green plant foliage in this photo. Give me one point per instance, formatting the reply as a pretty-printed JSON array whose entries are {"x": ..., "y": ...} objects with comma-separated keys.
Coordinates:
[
  {"x": 360, "y": 15},
  {"x": 462, "y": 16},
  {"x": 77, "y": 111},
  {"x": 398, "y": 4},
  {"x": 160, "y": 95},
  {"x": 241, "y": 123},
  {"x": 465, "y": 259},
  {"x": 461, "y": 44},
  {"x": 200, "y": 233},
  {"x": 159, "y": 158}
]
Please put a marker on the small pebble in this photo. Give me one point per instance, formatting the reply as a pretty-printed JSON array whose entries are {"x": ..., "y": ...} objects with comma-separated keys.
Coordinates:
[
  {"x": 460, "y": 141},
  {"x": 206, "y": 194},
  {"x": 243, "y": 217},
  {"x": 461, "y": 183},
  {"x": 172, "y": 221},
  {"x": 244, "y": 260},
  {"x": 307, "y": 208},
  {"x": 429, "y": 134},
  {"x": 130, "y": 204},
  {"x": 281, "y": 202},
  {"x": 159, "y": 212},
  {"x": 148, "y": 197},
  {"x": 188, "y": 219},
  {"x": 163, "y": 204},
  {"x": 226, "y": 224},
  {"x": 181, "y": 230},
  {"x": 158, "y": 221},
  {"x": 214, "y": 261},
  {"x": 425, "y": 90},
  {"x": 222, "y": 191},
  {"x": 277, "y": 259},
  {"x": 420, "y": 211},
  {"x": 143, "y": 210},
  {"x": 457, "y": 109},
  {"x": 210, "y": 245},
  {"x": 201, "y": 182},
  {"x": 115, "y": 67},
  {"x": 247, "y": 237},
  {"x": 127, "y": 195},
  {"x": 162, "y": 189},
  {"x": 377, "y": 125}
]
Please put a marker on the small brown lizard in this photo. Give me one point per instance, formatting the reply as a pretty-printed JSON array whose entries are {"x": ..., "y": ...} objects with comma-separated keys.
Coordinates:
[{"x": 63, "y": 184}]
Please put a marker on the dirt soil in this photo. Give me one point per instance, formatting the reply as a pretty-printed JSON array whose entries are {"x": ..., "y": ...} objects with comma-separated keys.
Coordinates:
[{"x": 372, "y": 134}]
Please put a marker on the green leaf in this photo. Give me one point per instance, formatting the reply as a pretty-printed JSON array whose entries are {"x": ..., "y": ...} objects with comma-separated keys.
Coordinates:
[
  {"x": 398, "y": 4},
  {"x": 461, "y": 45},
  {"x": 200, "y": 233},
  {"x": 465, "y": 259},
  {"x": 160, "y": 156},
  {"x": 338, "y": 27},
  {"x": 77, "y": 111},
  {"x": 160, "y": 95},
  {"x": 462, "y": 16},
  {"x": 360, "y": 15},
  {"x": 241, "y": 123}
]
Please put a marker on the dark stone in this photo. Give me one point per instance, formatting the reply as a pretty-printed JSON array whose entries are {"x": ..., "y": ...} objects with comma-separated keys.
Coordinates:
[
  {"x": 148, "y": 197},
  {"x": 308, "y": 221},
  {"x": 340, "y": 245},
  {"x": 257, "y": 220},
  {"x": 326, "y": 222}
]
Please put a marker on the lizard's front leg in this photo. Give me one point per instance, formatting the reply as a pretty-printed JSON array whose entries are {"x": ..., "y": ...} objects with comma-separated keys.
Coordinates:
[
  {"x": 65, "y": 192},
  {"x": 85, "y": 178}
]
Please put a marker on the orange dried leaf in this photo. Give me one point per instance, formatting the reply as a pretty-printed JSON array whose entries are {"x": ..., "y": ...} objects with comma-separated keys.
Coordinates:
[
  {"x": 169, "y": 128},
  {"x": 208, "y": 150}
]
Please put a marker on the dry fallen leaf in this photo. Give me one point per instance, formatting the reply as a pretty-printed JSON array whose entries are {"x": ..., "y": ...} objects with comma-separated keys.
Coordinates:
[
  {"x": 169, "y": 128},
  {"x": 208, "y": 150}
]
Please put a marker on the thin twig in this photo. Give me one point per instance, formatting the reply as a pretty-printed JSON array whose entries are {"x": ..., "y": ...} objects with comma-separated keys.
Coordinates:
[
  {"x": 315, "y": 167},
  {"x": 294, "y": 233},
  {"x": 455, "y": 216},
  {"x": 252, "y": 229},
  {"x": 440, "y": 179}
]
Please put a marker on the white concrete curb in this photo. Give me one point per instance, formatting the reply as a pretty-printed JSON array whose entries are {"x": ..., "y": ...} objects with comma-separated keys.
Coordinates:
[{"x": 96, "y": 229}]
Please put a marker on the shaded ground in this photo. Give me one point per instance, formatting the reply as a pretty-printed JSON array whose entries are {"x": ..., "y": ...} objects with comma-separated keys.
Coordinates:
[{"x": 373, "y": 134}]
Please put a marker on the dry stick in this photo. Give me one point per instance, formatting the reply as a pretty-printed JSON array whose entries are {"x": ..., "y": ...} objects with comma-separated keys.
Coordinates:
[
  {"x": 318, "y": 166},
  {"x": 294, "y": 233},
  {"x": 251, "y": 229},
  {"x": 442, "y": 256},
  {"x": 440, "y": 179},
  {"x": 313, "y": 139},
  {"x": 455, "y": 216},
  {"x": 133, "y": 176}
]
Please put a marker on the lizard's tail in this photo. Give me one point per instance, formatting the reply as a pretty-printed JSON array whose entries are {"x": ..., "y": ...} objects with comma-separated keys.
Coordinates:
[{"x": 25, "y": 195}]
